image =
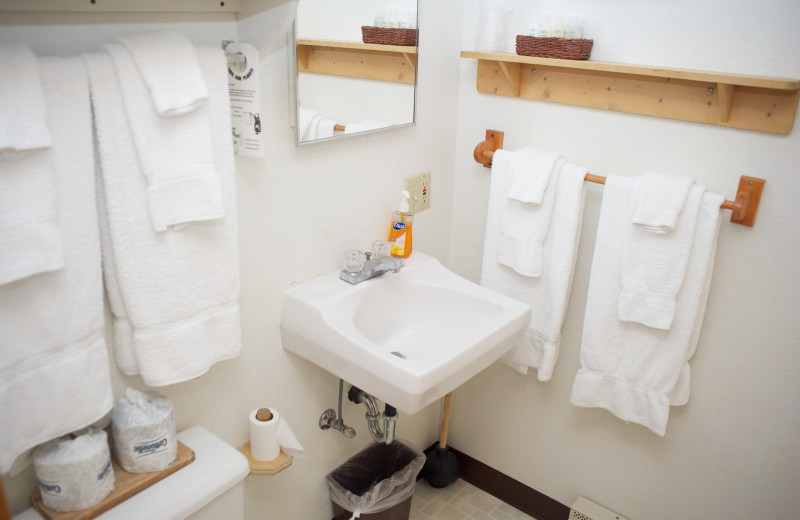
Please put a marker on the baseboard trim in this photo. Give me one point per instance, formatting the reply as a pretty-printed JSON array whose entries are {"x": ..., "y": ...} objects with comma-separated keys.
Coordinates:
[{"x": 509, "y": 490}]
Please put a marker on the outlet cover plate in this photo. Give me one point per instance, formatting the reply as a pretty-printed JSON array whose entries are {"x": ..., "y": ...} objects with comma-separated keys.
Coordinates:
[{"x": 419, "y": 189}]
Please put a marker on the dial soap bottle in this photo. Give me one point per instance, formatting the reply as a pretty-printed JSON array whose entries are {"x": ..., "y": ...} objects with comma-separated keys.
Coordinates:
[{"x": 400, "y": 232}]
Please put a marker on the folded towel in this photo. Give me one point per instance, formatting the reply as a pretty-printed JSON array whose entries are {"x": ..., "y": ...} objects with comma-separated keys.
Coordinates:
[
  {"x": 549, "y": 293},
  {"x": 524, "y": 224},
  {"x": 653, "y": 266},
  {"x": 167, "y": 62},
  {"x": 627, "y": 368},
  {"x": 54, "y": 372},
  {"x": 661, "y": 200},
  {"x": 365, "y": 125},
  {"x": 29, "y": 235},
  {"x": 23, "y": 127},
  {"x": 175, "y": 153},
  {"x": 531, "y": 171},
  {"x": 174, "y": 296}
]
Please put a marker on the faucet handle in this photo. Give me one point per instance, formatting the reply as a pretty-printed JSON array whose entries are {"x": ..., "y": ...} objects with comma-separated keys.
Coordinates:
[
  {"x": 354, "y": 260},
  {"x": 381, "y": 249}
]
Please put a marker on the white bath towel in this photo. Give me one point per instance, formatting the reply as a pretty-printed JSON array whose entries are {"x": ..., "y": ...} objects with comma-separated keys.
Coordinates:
[
  {"x": 167, "y": 62},
  {"x": 530, "y": 173},
  {"x": 174, "y": 296},
  {"x": 23, "y": 125},
  {"x": 634, "y": 371},
  {"x": 175, "y": 153},
  {"x": 653, "y": 265},
  {"x": 54, "y": 371},
  {"x": 547, "y": 294},
  {"x": 524, "y": 225},
  {"x": 29, "y": 238},
  {"x": 661, "y": 200},
  {"x": 365, "y": 125}
]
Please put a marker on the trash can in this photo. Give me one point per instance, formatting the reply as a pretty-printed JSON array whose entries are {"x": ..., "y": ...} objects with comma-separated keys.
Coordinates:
[{"x": 376, "y": 483}]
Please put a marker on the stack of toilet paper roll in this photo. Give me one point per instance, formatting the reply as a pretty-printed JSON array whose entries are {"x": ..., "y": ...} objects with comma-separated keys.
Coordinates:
[
  {"x": 269, "y": 433},
  {"x": 143, "y": 427},
  {"x": 74, "y": 473}
]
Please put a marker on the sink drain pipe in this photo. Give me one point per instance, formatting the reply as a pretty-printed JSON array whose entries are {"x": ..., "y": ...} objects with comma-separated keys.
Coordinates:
[{"x": 373, "y": 416}]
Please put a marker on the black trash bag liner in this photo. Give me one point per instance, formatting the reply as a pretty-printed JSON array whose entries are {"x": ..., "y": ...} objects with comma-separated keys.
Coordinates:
[{"x": 376, "y": 478}]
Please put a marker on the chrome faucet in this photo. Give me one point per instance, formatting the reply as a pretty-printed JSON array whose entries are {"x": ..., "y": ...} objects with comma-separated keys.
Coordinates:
[{"x": 372, "y": 267}]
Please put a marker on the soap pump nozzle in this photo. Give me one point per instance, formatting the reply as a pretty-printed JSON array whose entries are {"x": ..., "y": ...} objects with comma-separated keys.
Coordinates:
[{"x": 403, "y": 206}]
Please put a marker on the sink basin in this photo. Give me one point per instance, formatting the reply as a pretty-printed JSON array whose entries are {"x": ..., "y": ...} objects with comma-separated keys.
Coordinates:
[{"x": 407, "y": 338}]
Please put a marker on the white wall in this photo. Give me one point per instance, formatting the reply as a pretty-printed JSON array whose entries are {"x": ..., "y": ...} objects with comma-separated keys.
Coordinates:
[
  {"x": 299, "y": 210},
  {"x": 732, "y": 451}
]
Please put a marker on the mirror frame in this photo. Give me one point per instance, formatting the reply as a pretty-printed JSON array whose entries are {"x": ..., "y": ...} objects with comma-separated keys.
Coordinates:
[{"x": 294, "y": 86}]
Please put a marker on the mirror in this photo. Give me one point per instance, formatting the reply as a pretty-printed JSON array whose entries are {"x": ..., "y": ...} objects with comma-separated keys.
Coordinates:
[{"x": 344, "y": 86}]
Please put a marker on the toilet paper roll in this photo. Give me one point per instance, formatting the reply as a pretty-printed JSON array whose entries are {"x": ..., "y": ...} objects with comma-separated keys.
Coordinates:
[
  {"x": 268, "y": 438},
  {"x": 74, "y": 474},
  {"x": 264, "y": 443}
]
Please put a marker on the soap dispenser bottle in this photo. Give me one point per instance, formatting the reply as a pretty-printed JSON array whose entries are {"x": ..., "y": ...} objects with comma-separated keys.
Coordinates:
[{"x": 400, "y": 232}]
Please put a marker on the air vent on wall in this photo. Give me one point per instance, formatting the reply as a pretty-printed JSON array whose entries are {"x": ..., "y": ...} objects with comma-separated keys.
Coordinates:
[{"x": 584, "y": 509}]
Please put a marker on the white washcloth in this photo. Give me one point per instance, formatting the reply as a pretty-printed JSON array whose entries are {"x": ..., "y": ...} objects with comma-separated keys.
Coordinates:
[
  {"x": 530, "y": 173},
  {"x": 653, "y": 266},
  {"x": 174, "y": 296},
  {"x": 29, "y": 238},
  {"x": 629, "y": 369},
  {"x": 661, "y": 200},
  {"x": 175, "y": 153},
  {"x": 23, "y": 125},
  {"x": 365, "y": 125},
  {"x": 313, "y": 125},
  {"x": 547, "y": 294},
  {"x": 54, "y": 371},
  {"x": 524, "y": 225},
  {"x": 167, "y": 62}
]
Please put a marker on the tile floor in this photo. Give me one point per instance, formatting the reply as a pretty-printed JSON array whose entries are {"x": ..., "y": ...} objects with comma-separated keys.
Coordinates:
[{"x": 459, "y": 501}]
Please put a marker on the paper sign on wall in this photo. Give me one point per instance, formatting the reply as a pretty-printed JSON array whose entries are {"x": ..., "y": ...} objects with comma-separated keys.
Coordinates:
[{"x": 245, "y": 101}]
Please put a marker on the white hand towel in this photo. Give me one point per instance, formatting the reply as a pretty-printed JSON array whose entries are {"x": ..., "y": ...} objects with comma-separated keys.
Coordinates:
[
  {"x": 167, "y": 62},
  {"x": 531, "y": 171},
  {"x": 549, "y": 293},
  {"x": 174, "y": 296},
  {"x": 29, "y": 236},
  {"x": 54, "y": 371},
  {"x": 627, "y": 368},
  {"x": 653, "y": 266},
  {"x": 175, "y": 153},
  {"x": 23, "y": 127},
  {"x": 661, "y": 200},
  {"x": 524, "y": 224}
]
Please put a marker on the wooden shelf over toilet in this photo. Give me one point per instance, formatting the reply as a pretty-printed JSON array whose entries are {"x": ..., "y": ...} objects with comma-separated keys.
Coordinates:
[
  {"x": 394, "y": 63},
  {"x": 748, "y": 102}
]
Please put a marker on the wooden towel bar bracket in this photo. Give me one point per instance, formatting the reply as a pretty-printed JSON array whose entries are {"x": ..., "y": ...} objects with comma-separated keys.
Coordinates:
[{"x": 743, "y": 208}]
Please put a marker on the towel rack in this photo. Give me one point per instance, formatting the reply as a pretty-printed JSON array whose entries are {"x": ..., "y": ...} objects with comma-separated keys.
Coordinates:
[{"x": 743, "y": 208}]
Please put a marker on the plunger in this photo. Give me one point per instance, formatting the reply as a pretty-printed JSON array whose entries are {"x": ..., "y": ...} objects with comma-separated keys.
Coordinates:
[{"x": 441, "y": 464}]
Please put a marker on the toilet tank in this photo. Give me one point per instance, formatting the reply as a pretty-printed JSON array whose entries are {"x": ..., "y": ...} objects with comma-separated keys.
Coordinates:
[{"x": 210, "y": 488}]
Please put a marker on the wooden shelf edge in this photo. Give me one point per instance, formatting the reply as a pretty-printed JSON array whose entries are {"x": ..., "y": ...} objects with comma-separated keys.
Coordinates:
[
  {"x": 337, "y": 44},
  {"x": 269, "y": 467},
  {"x": 641, "y": 70}
]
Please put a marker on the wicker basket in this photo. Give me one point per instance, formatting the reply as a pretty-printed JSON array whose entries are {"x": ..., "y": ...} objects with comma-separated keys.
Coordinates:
[
  {"x": 385, "y": 36},
  {"x": 560, "y": 48}
]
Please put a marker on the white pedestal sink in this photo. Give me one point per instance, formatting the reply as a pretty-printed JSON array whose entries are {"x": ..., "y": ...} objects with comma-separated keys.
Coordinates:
[{"x": 407, "y": 338}]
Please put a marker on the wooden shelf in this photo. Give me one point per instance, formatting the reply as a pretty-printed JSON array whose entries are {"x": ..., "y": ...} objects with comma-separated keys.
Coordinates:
[
  {"x": 739, "y": 101},
  {"x": 269, "y": 467},
  {"x": 392, "y": 63}
]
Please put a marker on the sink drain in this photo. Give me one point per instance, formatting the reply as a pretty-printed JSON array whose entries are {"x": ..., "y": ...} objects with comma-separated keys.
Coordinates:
[{"x": 395, "y": 353}]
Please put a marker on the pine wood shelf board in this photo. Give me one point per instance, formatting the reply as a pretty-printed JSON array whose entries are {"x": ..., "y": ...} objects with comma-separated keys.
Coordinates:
[
  {"x": 641, "y": 70},
  {"x": 269, "y": 467},
  {"x": 746, "y": 102},
  {"x": 393, "y": 63}
]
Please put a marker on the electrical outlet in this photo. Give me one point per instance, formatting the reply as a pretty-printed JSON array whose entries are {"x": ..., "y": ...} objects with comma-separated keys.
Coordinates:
[{"x": 419, "y": 189}]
